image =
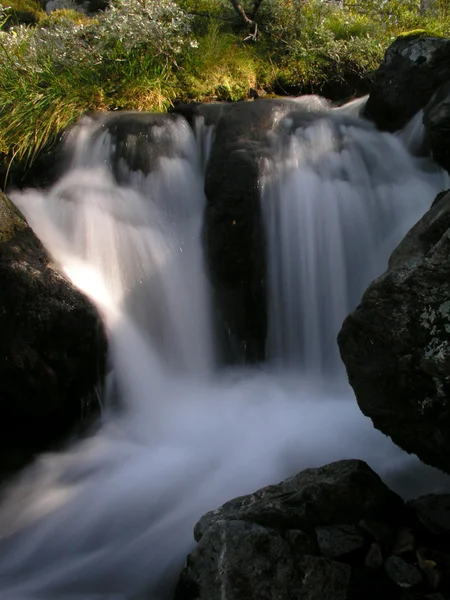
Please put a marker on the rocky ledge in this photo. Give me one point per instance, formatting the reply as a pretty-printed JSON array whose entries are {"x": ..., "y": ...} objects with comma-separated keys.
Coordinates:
[{"x": 332, "y": 533}]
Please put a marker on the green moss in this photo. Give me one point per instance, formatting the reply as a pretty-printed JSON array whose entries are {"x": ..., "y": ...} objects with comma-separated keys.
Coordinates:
[{"x": 416, "y": 33}]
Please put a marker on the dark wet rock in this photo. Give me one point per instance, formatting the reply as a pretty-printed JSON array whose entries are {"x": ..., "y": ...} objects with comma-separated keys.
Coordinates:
[
  {"x": 404, "y": 574},
  {"x": 396, "y": 344},
  {"x": 374, "y": 557},
  {"x": 324, "y": 579},
  {"x": 338, "y": 540},
  {"x": 233, "y": 230},
  {"x": 262, "y": 545},
  {"x": 299, "y": 542},
  {"x": 140, "y": 139},
  {"x": 312, "y": 498},
  {"x": 52, "y": 345},
  {"x": 414, "y": 67},
  {"x": 405, "y": 541},
  {"x": 377, "y": 530},
  {"x": 235, "y": 560},
  {"x": 436, "y": 119},
  {"x": 433, "y": 513}
]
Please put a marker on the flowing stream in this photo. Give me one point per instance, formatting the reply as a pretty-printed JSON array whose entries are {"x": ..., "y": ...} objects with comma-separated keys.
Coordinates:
[{"x": 112, "y": 516}]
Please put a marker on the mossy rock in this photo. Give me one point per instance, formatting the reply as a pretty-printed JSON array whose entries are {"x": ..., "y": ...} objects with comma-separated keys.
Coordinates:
[{"x": 417, "y": 33}]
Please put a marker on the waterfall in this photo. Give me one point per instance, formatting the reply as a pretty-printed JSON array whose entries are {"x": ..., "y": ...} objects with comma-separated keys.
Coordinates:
[
  {"x": 337, "y": 199},
  {"x": 111, "y": 517}
]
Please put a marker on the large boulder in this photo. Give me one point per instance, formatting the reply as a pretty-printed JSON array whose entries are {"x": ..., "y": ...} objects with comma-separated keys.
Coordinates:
[
  {"x": 52, "y": 346},
  {"x": 233, "y": 230},
  {"x": 396, "y": 344},
  {"x": 414, "y": 67},
  {"x": 332, "y": 533}
]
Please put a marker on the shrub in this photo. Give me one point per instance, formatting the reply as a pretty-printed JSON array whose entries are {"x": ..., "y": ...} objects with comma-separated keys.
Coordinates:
[{"x": 50, "y": 75}]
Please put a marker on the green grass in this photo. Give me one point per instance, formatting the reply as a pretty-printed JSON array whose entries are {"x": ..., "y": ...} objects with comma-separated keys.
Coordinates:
[
  {"x": 304, "y": 47},
  {"x": 221, "y": 68}
]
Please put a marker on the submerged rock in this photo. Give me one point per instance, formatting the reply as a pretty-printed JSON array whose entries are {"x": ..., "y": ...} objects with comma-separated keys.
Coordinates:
[
  {"x": 396, "y": 344},
  {"x": 52, "y": 345},
  {"x": 414, "y": 67}
]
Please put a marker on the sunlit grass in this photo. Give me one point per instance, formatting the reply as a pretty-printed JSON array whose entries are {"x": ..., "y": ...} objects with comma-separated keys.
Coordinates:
[{"x": 90, "y": 65}]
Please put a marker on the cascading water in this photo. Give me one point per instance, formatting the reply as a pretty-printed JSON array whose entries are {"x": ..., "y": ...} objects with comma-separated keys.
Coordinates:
[
  {"x": 111, "y": 517},
  {"x": 337, "y": 198}
]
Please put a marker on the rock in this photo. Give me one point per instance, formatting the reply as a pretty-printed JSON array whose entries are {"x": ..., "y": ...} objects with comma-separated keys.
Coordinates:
[
  {"x": 324, "y": 579},
  {"x": 233, "y": 230},
  {"x": 342, "y": 492},
  {"x": 52, "y": 345},
  {"x": 240, "y": 561},
  {"x": 402, "y": 573},
  {"x": 414, "y": 67},
  {"x": 433, "y": 513},
  {"x": 396, "y": 344},
  {"x": 374, "y": 557},
  {"x": 338, "y": 540},
  {"x": 377, "y": 530},
  {"x": 436, "y": 120},
  {"x": 436, "y": 567},
  {"x": 405, "y": 542},
  {"x": 139, "y": 139},
  {"x": 299, "y": 542}
]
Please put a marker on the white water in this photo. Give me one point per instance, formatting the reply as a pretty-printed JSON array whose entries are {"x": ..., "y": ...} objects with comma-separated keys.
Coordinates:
[{"x": 111, "y": 518}]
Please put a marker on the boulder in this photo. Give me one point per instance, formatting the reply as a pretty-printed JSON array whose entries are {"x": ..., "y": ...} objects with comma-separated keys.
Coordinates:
[
  {"x": 433, "y": 514},
  {"x": 302, "y": 539},
  {"x": 343, "y": 492},
  {"x": 338, "y": 540},
  {"x": 252, "y": 547},
  {"x": 404, "y": 574},
  {"x": 236, "y": 560},
  {"x": 52, "y": 346},
  {"x": 233, "y": 230},
  {"x": 396, "y": 344},
  {"x": 436, "y": 119},
  {"x": 414, "y": 67}
]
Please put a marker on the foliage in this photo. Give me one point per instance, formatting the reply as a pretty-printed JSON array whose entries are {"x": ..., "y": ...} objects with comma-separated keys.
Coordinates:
[
  {"x": 146, "y": 54},
  {"x": 222, "y": 68},
  {"x": 52, "y": 74}
]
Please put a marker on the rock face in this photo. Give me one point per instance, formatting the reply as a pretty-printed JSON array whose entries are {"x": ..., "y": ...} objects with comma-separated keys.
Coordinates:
[
  {"x": 412, "y": 70},
  {"x": 396, "y": 344},
  {"x": 332, "y": 533},
  {"x": 52, "y": 345},
  {"x": 436, "y": 119}
]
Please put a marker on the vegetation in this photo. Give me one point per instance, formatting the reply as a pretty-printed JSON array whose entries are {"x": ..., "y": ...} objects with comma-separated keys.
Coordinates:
[{"x": 148, "y": 54}]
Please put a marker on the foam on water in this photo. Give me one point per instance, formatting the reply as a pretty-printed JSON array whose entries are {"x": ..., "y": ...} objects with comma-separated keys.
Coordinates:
[{"x": 112, "y": 516}]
